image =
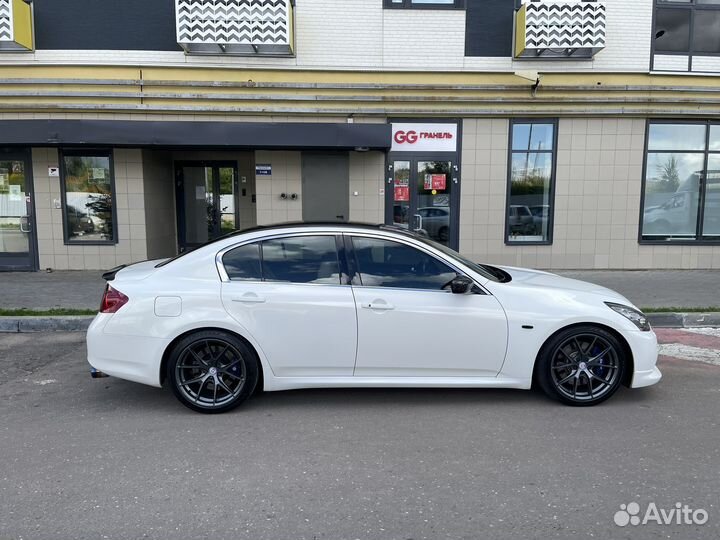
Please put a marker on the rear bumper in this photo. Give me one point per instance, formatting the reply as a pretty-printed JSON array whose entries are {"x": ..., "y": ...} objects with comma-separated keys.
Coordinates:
[{"x": 134, "y": 358}]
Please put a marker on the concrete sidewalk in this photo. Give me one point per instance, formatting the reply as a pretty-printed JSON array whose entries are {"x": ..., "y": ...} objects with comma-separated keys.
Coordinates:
[{"x": 650, "y": 288}]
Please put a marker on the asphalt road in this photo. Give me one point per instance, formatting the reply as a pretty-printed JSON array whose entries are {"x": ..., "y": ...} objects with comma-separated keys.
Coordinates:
[{"x": 84, "y": 458}]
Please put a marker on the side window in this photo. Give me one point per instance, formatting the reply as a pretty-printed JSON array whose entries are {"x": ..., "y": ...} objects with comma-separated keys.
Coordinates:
[
  {"x": 301, "y": 259},
  {"x": 384, "y": 263},
  {"x": 243, "y": 263}
]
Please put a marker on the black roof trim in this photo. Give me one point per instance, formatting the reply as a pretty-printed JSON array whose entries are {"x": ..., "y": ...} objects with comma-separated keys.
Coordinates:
[
  {"x": 189, "y": 134},
  {"x": 340, "y": 224}
]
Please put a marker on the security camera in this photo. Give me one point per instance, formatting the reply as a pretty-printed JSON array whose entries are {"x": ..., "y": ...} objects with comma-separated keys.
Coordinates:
[
  {"x": 283, "y": 196},
  {"x": 294, "y": 196}
]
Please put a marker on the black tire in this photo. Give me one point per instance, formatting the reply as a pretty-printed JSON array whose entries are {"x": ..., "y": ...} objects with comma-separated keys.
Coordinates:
[
  {"x": 581, "y": 366},
  {"x": 212, "y": 371}
]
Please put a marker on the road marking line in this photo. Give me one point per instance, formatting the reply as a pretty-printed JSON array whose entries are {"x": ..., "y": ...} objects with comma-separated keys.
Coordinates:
[
  {"x": 704, "y": 331},
  {"x": 688, "y": 352}
]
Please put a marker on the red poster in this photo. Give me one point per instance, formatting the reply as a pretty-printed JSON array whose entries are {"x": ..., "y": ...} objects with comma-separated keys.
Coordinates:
[
  {"x": 402, "y": 193},
  {"x": 438, "y": 181}
]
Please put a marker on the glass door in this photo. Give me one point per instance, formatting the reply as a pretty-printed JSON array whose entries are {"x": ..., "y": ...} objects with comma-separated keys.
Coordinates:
[
  {"x": 424, "y": 198},
  {"x": 17, "y": 240},
  {"x": 207, "y": 201}
]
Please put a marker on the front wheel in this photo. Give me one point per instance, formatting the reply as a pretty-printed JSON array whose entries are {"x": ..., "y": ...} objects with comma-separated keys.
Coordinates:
[
  {"x": 212, "y": 371},
  {"x": 581, "y": 366}
]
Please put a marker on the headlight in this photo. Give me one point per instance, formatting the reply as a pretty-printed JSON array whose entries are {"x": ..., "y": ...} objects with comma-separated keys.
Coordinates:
[{"x": 638, "y": 318}]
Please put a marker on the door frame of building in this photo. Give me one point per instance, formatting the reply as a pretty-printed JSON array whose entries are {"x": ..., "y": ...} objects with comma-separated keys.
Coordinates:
[
  {"x": 454, "y": 157},
  {"x": 216, "y": 165},
  {"x": 414, "y": 158},
  {"x": 24, "y": 154}
]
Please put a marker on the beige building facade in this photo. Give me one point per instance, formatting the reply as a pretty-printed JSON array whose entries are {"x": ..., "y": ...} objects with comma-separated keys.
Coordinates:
[{"x": 591, "y": 143}]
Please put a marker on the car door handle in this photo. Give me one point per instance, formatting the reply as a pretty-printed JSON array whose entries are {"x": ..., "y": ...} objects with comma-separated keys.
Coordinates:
[
  {"x": 249, "y": 299},
  {"x": 376, "y": 306}
]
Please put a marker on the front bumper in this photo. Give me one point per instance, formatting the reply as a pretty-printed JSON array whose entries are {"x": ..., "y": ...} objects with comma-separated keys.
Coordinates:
[
  {"x": 645, "y": 354},
  {"x": 646, "y": 378}
]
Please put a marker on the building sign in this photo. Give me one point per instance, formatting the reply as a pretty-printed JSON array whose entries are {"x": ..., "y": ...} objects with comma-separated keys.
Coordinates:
[
  {"x": 424, "y": 137},
  {"x": 263, "y": 170},
  {"x": 402, "y": 193},
  {"x": 435, "y": 181},
  {"x": 402, "y": 189}
]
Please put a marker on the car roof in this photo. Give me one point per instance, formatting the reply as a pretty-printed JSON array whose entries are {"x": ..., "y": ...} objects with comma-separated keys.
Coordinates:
[{"x": 335, "y": 225}]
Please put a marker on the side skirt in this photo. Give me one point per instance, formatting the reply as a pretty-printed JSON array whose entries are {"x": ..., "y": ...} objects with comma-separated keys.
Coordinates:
[{"x": 273, "y": 384}]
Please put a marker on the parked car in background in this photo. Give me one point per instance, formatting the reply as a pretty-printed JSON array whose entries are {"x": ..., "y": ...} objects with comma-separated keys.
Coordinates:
[
  {"x": 79, "y": 222},
  {"x": 541, "y": 215},
  {"x": 436, "y": 222},
  {"x": 520, "y": 220}
]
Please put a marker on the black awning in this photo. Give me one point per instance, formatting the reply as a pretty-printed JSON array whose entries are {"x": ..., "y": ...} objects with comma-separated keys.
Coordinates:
[{"x": 139, "y": 133}]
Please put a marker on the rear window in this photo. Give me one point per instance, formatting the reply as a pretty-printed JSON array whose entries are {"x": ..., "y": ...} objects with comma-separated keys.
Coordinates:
[
  {"x": 303, "y": 259},
  {"x": 300, "y": 259},
  {"x": 243, "y": 263}
]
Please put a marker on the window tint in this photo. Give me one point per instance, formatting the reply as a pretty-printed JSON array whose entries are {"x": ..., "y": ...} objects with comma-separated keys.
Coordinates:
[
  {"x": 243, "y": 263},
  {"x": 672, "y": 30},
  {"x": 706, "y": 32},
  {"x": 301, "y": 259},
  {"x": 383, "y": 263}
]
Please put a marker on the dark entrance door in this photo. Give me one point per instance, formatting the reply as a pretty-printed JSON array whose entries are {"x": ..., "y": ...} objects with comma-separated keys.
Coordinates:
[
  {"x": 207, "y": 201},
  {"x": 423, "y": 196},
  {"x": 17, "y": 236},
  {"x": 325, "y": 187}
]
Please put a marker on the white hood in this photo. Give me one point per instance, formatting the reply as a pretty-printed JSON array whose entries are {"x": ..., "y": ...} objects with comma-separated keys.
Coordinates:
[{"x": 525, "y": 277}]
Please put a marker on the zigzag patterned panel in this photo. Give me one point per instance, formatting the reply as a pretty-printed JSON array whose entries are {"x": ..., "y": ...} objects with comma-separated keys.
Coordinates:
[
  {"x": 551, "y": 25},
  {"x": 6, "y": 23},
  {"x": 228, "y": 23}
]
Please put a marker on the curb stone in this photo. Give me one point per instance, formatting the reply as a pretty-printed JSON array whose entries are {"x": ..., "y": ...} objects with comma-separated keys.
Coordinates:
[
  {"x": 69, "y": 323},
  {"x": 80, "y": 323}
]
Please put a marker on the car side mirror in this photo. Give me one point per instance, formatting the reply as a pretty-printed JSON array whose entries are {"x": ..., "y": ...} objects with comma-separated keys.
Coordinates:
[{"x": 461, "y": 285}]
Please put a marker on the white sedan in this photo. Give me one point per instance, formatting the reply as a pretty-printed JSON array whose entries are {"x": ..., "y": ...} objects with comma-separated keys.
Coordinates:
[{"x": 346, "y": 305}]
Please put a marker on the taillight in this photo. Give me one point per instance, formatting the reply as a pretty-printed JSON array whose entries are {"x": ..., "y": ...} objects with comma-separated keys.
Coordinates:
[{"x": 112, "y": 300}]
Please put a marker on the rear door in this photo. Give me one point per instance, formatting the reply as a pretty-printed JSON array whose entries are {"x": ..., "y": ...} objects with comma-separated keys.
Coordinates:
[
  {"x": 409, "y": 326},
  {"x": 288, "y": 293}
]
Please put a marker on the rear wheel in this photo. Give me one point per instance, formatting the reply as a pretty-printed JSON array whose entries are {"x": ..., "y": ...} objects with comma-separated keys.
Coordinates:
[
  {"x": 212, "y": 371},
  {"x": 581, "y": 366}
]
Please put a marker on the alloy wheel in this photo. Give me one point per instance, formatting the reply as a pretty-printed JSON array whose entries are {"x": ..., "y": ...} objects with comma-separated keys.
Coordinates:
[
  {"x": 585, "y": 367},
  {"x": 210, "y": 373}
]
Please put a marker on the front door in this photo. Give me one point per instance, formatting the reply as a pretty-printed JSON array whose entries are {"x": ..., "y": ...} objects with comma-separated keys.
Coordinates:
[
  {"x": 410, "y": 325},
  {"x": 206, "y": 201},
  {"x": 424, "y": 197},
  {"x": 17, "y": 241}
]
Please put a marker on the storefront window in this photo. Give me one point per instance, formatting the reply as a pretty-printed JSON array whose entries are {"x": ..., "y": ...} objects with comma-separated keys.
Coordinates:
[
  {"x": 681, "y": 196},
  {"x": 532, "y": 166},
  {"x": 89, "y": 206}
]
